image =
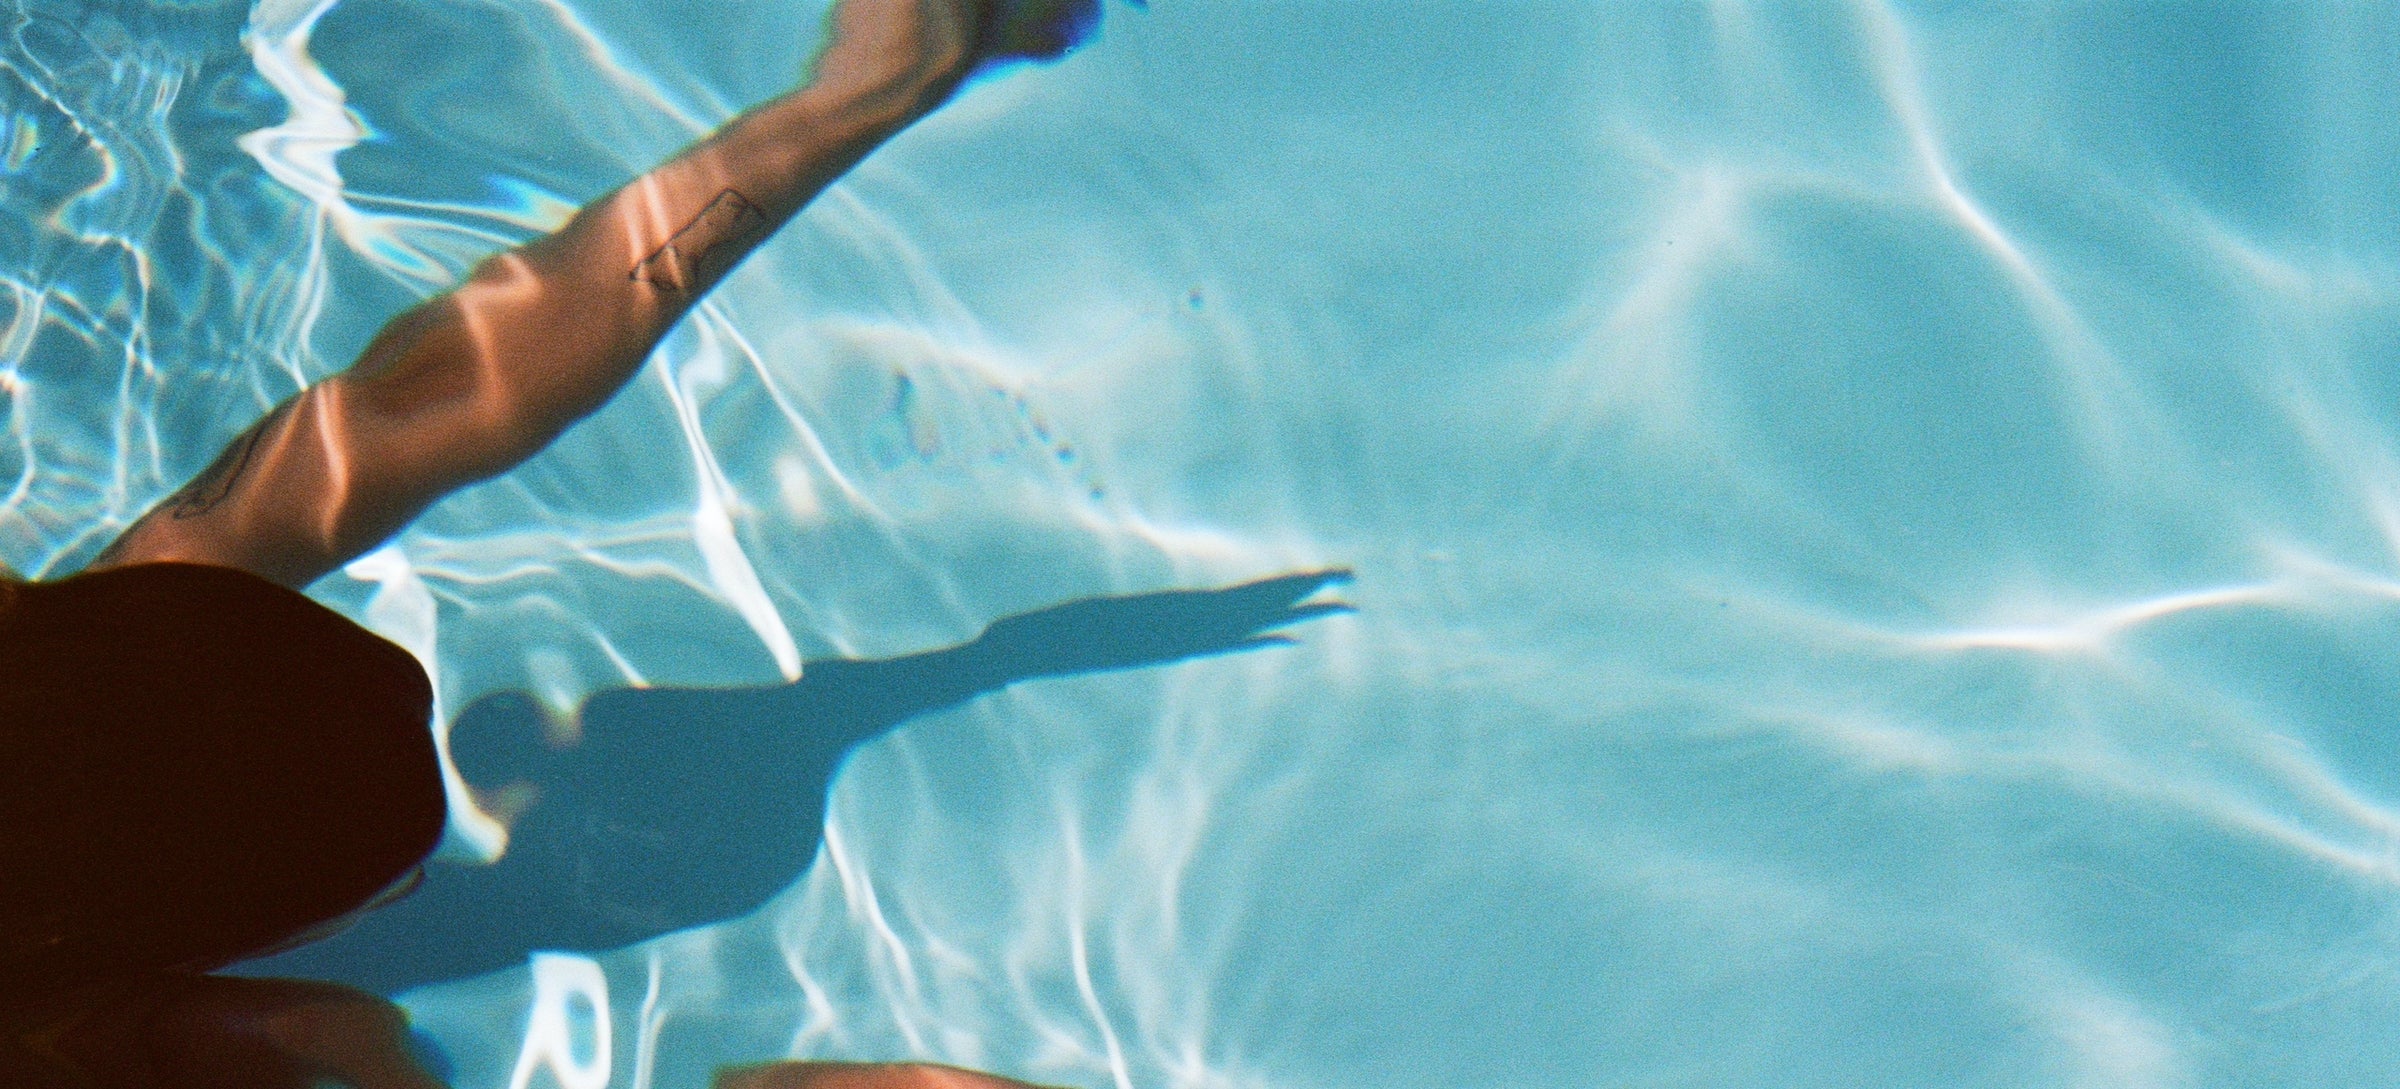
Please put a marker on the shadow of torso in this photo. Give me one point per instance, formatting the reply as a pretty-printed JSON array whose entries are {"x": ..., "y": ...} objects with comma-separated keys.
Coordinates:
[{"x": 676, "y": 808}]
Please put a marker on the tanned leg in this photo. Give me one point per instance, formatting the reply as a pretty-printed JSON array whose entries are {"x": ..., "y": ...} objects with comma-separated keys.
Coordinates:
[{"x": 477, "y": 380}]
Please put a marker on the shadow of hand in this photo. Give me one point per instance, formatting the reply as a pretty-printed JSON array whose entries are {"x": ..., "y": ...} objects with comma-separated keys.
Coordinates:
[{"x": 1131, "y": 630}]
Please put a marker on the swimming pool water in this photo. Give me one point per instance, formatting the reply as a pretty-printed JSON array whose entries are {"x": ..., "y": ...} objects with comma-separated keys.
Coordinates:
[{"x": 1878, "y": 525}]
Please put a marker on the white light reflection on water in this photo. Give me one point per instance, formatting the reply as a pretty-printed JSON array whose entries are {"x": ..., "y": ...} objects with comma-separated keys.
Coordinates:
[{"x": 1877, "y": 524}]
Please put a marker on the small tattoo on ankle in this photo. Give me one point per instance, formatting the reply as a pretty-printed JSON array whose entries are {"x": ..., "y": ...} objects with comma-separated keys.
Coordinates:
[{"x": 704, "y": 248}]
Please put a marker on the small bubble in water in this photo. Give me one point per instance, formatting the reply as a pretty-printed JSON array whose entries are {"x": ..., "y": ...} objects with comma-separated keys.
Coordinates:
[{"x": 21, "y": 144}]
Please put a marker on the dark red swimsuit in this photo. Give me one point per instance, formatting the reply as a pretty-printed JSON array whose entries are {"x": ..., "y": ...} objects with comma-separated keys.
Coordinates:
[{"x": 195, "y": 765}]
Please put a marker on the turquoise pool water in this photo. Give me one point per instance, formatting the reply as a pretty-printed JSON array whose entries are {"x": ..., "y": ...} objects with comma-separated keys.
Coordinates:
[{"x": 1878, "y": 525}]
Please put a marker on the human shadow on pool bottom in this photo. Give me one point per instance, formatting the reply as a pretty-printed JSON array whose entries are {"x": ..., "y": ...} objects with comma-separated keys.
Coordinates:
[{"x": 684, "y": 806}]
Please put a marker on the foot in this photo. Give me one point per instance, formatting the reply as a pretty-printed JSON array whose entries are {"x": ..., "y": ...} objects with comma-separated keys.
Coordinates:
[{"x": 925, "y": 48}]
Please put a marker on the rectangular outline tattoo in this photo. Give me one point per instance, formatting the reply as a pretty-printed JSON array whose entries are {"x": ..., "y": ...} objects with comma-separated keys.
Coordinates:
[
  {"x": 202, "y": 494},
  {"x": 702, "y": 248}
]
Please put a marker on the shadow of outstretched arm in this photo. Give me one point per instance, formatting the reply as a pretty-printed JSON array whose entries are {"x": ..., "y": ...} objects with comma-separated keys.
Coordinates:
[{"x": 684, "y": 806}]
